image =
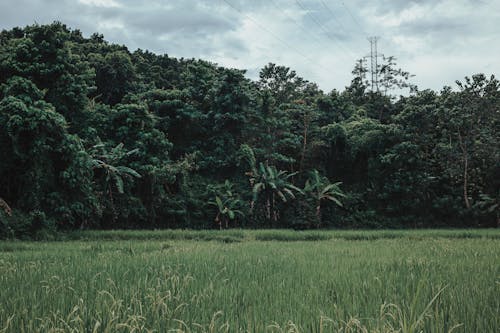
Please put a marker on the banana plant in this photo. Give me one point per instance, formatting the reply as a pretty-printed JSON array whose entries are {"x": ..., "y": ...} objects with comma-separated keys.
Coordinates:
[
  {"x": 319, "y": 189},
  {"x": 489, "y": 205},
  {"x": 227, "y": 205},
  {"x": 226, "y": 210},
  {"x": 267, "y": 181},
  {"x": 108, "y": 161},
  {"x": 273, "y": 184}
]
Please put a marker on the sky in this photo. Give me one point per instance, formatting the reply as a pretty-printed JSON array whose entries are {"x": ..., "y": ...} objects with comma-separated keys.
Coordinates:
[{"x": 439, "y": 41}]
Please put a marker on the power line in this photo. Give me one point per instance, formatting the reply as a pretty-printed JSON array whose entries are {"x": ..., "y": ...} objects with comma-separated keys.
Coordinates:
[
  {"x": 362, "y": 32},
  {"x": 275, "y": 36},
  {"x": 353, "y": 18},
  {"x": 322, "y": 27},
  {"x": 334, "y": 16},
  {"x": 316, "y": 39},
  {"x": 327, "y": 33}
]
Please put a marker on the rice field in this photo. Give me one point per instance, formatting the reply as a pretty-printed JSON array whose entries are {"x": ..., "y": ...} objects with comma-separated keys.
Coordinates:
[{"x": 253, "y": 281}]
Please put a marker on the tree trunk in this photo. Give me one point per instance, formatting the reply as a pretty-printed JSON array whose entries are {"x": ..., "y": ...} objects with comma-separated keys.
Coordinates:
[
  {"x": 275, "y": 213},
  {"x": 113, "y": 210},
  {"x": 318, "y": 214},
  {"x": 463, "y": 147},
  {"x": 268, "y": 208},
  {"x": 218, "y": 222},
  {"x": 304, "y": 144}
]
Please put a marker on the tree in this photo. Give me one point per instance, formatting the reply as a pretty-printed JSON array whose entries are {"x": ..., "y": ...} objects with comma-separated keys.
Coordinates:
[
  {"x": 115, "y": 75},
  {"x": 81, "y": 118},
  {"x": 471, "y": 120},
  {"x": 228, "y": 205},
  {"x": 273, "y": 185},
  {"x": 42, "y": 54},
  {"x": 43, "y": 168},
  {"x": 393, "y": 78},
  {"x": 283, "y": 83},
  {"x": 320, "y": 189},
  {"x": 105, "y": 164}
]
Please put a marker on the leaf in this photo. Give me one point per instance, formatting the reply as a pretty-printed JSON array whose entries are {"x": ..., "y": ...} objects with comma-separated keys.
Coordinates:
[
  {"x": 117, "y": 148},
  {"x": 97, "y": 163},
  {"x": 331, "y": 198},
  {"x": 239, "y": 212},
  {"x": 132, "y": 152},
  {"x": 290, "y": 193},
  {"x": 119, "y": 183},
  {"x": 308, "y": 186},
  {"x": 258, "y": 187},
  {"x": 218, "y": 201},
  {"x": 128, "y": 171},
  {"x": 281, "y": 195},
  {"x": 492, "y": 208},
  {"x": 295, "y": 188}
]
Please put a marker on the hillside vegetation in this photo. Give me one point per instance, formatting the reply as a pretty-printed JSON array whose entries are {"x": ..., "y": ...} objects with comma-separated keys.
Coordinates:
[{"x": 93, "y": 135}]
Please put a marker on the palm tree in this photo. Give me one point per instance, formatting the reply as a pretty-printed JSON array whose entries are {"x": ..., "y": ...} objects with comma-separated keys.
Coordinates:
[
  {"x": 273, "y": 184},
  {"x": 268, "y": 181},
  {"x": 320, "y": 189},
  {"x": 113, "y": 173}
]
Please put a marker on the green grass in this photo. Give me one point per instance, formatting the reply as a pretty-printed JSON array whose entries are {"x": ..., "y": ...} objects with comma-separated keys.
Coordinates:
[{"x": 253, "y": 281}]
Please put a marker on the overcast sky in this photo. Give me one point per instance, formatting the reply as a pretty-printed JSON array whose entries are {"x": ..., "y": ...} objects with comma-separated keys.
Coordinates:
[{"x": 439, "y": 41}]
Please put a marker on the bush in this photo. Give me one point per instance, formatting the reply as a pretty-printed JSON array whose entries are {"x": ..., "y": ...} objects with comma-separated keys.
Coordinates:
[{"x": 34, "y": 225}]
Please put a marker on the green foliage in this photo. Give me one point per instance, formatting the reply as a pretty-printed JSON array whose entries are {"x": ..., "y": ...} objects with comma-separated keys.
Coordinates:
[
  {"x": 274, "y": 188},
  {"x": 227, "y": 204},
  {"x": 115, "y": 68},
  {"x": 44, "y": 167},
  {"x": 43, "y": 55},
  {"x": 93, "y": 135},
  {"x": 319, "y": 189}
]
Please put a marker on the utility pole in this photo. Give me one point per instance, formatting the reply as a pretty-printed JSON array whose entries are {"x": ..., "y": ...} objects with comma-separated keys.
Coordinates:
[{"x": 374, "y": 63}]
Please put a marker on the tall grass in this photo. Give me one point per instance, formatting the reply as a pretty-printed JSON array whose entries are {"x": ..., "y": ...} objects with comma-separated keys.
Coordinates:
[
  {"x": 182, "y": 281},
  {"x": 235, "y": 235}
]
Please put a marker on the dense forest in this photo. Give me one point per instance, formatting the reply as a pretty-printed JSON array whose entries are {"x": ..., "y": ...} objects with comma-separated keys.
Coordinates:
[{"x": 95, "y": 136}]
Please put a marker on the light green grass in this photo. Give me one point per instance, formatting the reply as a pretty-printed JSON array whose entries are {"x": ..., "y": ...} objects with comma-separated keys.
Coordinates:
[{"x": 253, "y": 281}]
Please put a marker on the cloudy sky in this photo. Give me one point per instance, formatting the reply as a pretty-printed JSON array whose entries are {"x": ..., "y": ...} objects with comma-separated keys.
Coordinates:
[{"x": 439, "y": 41}]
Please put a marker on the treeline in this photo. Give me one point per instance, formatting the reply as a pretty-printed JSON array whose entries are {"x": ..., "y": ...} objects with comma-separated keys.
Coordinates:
[{"x": 95, "y": 136}]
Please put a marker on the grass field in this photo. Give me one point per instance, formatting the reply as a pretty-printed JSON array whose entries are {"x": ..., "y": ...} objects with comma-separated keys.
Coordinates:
[{"x": 253, "y": 281}]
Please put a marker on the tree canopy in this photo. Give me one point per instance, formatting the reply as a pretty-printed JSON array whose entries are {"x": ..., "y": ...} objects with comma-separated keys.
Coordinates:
[{"x": 93, "y": 135}]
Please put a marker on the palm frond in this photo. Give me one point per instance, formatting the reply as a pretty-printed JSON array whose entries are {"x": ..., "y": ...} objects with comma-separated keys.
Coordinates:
[
  {"x": 118, "y": 183},
  {"x": 290, "y": 193},
  {"x": 132, "y": 152},
  {"x": 281, "y": 195},
  {"x": 129, "y": 171},
  {"x": 295, "y": 188},
  {"x": 6, "y": 208},
  {"x": 332, "y": 198}
]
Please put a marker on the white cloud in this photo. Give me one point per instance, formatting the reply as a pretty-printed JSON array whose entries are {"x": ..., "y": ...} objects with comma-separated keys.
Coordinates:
[
  {"x": 437, "y": 40},
  {"x": 100, "y": 3},
  {"x": 413, "y": 13}
]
